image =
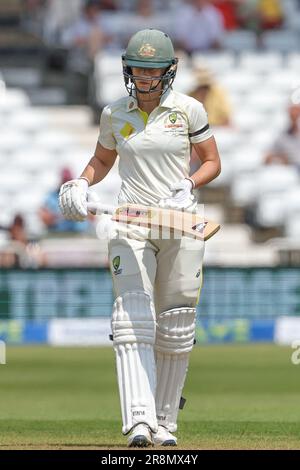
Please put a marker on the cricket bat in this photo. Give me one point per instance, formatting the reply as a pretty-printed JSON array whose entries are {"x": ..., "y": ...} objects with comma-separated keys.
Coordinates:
[{"x": 187, "y": 223}]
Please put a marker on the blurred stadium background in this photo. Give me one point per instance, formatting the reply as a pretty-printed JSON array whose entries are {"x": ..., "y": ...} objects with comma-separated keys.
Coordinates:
[{"x": 58, "y": 67}]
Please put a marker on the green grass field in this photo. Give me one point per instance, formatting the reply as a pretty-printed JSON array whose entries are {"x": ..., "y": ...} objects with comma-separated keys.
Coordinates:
[{"x": 238, "y": 397}]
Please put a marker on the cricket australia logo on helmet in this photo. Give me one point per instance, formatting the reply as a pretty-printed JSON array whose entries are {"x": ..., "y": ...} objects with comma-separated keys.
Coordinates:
[{"x": 147, "y": 51}]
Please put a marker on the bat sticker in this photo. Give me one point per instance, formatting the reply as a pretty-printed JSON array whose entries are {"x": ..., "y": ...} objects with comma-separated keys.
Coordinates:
[{"x": 199, "y": 227}]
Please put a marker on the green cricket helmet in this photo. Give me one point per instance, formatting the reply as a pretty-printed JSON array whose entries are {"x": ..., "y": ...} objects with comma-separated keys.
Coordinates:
[{"x": 150, "y": 49}]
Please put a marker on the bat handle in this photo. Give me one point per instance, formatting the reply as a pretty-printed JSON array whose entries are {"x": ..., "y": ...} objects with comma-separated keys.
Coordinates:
[{"x": 97, "y": 208}]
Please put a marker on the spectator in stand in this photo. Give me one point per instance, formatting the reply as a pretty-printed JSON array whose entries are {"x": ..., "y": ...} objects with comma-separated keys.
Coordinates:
[
  {"x": 228, "y": 9},
  {"x": 51, "y": 215},
  {"x": 144, "y": 8},
  {"x": 143, "y": 15},
  {"x": 20, "y": 252},
  {"x": 199, "y": 26},
  {"x": 270, "y": 14},
  {"x": 259, "y": 15},
  {"x": 33, "y": 13},
  {"x": 11, "y": 255},
  {"x": 57, "y": 18},
  {"x": 285, "y": 149},
  {"x": 140, "y": 18},
  {"x": 213, "y": 97},
  {"x": 27, "y": 252},
  {"x": 166, "y": 5},
  {"x": 17, "y": 230},
  {"x": 248, "y": 15},
  {"x": 109, "y": 5},
  {"x": 216, "y": 103},
  {"x": 89, "y": 34}
]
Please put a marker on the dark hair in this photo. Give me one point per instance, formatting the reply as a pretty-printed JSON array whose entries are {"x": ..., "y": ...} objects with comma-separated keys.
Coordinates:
[
  {"x": 18, "y": 220},
  {"x": 91, "y": 3}
]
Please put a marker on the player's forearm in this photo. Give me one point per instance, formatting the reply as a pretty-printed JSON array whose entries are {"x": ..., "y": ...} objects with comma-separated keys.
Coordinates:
[
  {"x": 208, "y": 171},
  {"x": 95, "y": 171}
]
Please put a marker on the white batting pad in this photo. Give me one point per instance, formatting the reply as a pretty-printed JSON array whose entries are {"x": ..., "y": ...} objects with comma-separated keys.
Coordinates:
[
  {"x": 174, "y": 342},
  {"x": 133, "y": 327}
]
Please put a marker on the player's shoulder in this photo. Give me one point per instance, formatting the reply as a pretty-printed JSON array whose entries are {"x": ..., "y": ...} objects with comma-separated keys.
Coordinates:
[
  {"x": 185, "y": 101},
  {"x": 117, "y": 105}
]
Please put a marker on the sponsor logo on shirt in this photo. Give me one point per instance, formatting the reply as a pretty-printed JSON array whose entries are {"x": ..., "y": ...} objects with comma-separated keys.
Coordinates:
[
  {"x": 174, "y": 123},
  {"x": 173, "y": 117},
  {"x": 116, "y": 265}
]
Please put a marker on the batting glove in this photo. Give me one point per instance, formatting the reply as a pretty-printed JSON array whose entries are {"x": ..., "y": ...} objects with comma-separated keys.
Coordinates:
[
  {"x": 73, "y": 199},
  {"x": 182, "y": 196}
]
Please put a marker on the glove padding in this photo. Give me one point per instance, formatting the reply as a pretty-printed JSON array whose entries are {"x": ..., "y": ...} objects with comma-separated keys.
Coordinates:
[
  {"x": 73, "y": 197},
  {"x": 182, "y": 197}
]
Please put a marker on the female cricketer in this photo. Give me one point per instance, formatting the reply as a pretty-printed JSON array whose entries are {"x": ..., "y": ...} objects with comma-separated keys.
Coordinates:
[{"x": 156, "y": 281}]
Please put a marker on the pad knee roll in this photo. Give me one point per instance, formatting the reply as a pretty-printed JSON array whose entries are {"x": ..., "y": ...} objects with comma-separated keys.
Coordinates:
[
  {"x": 133, "y": 319},
  {"x": 176, "y": 331}
]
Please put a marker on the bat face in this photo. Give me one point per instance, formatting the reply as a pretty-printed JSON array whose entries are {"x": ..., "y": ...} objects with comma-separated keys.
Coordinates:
[{"x": 181, "y": 222}]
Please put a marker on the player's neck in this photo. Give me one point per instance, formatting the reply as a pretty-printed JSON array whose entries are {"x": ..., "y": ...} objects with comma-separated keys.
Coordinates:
[
  {"x": 148, "y": 106},
  {"x": 148, "y": 103}
]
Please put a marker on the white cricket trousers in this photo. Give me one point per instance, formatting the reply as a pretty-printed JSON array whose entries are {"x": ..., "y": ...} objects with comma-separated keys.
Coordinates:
[{"x": 169, "y": 270}]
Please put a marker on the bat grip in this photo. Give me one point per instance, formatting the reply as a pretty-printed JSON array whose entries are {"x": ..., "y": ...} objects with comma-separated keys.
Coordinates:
[{"x": 97, "y": 208}]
